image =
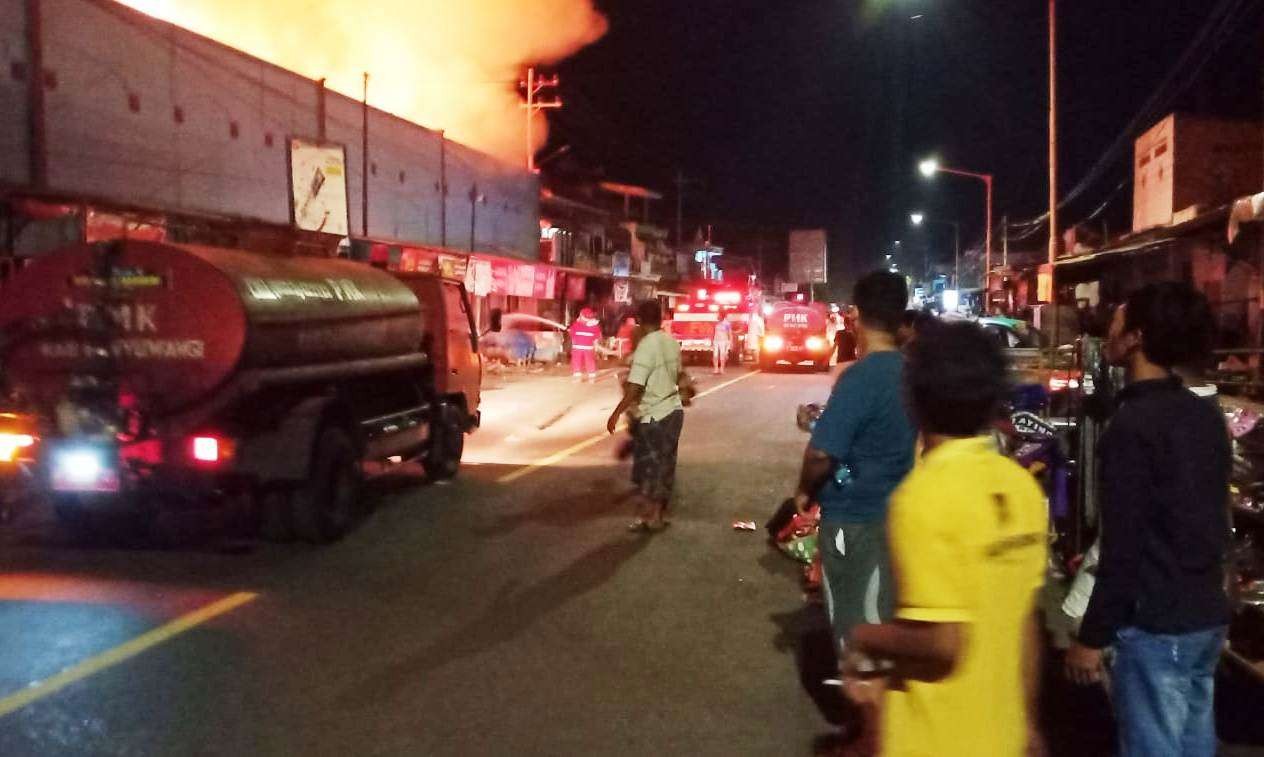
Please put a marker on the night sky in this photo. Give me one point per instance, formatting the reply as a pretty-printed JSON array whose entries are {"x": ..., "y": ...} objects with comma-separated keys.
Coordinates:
[{"x": 815, "y": 112}]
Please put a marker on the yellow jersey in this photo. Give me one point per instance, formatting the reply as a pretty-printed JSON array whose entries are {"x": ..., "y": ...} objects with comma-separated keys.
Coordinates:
[{"x": 968, "y": 545}]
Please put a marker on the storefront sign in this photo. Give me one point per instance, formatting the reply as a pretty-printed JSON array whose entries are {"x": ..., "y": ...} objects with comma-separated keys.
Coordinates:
[
  {"x": 1044, "y": 283},
  {"x": 478, "y": 278},
  {"x": 545, "y": 283},
  {"x": 622, "y": 264},
  {"x": 452, "y": 266}
]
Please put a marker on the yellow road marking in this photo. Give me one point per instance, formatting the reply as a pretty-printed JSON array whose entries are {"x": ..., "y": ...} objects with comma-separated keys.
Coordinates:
[
  {"x": 575, "y": 449},
  {"x": 122, "y": 653},
  {"x": 725, "y": 385}
]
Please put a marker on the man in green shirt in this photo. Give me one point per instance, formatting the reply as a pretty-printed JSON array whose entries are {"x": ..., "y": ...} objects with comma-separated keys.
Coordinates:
[{"x": 652, "y": 387}]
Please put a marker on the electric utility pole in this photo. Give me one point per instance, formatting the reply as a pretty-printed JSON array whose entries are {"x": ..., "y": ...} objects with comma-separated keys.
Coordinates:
[{"x": 535, "y": 86}]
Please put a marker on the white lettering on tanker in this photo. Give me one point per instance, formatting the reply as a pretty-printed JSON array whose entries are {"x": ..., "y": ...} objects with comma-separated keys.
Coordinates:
[
  {"x": 798, "y": 319},
  {"x": 343, "y": 290},
  {"x": 132, "y": 318},
  {"x": 130, "y": 349}
]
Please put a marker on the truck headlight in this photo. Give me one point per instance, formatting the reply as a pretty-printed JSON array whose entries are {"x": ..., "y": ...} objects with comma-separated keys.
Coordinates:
[
  {"x": 774, "y": 343},
  {"x": 815, "y": 343}
]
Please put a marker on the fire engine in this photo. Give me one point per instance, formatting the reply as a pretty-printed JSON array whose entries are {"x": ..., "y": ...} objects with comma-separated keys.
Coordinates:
[
  {"x": 693, "y": 321},
  {"x": 797, "y": 335}
]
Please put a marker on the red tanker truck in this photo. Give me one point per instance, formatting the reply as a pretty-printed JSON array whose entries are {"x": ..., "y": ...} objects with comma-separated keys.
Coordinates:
[{"x": 165, "y": 375}]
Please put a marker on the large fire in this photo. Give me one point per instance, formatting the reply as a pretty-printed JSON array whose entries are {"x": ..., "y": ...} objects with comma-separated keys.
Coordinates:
[{"x": 445, "y": 64}]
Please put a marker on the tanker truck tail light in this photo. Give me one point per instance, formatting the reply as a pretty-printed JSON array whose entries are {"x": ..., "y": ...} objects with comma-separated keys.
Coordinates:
[
  {"x": 212, "y": 449},
  {"x": 12, "y": 446}
]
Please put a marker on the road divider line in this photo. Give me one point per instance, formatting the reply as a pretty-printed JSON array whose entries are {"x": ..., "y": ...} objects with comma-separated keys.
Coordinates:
[
  {"x": 725, "y": 385},
  {"x": 122, "y": 652},
  {"x": 575, "y": 449}
]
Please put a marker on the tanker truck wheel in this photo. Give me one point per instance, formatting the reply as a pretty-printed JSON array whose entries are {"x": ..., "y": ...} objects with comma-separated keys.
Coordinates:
[
  {"x": 327, "y": 505},
  {"x": 447, "y": 445}
]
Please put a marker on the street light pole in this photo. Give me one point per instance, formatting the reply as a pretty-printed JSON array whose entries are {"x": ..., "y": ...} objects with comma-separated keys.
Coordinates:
[
  {"x": 956, "y": 255},
  {"x": 929, "y": 168},
  {"x": 919, "y": 218},
  {"x": 1053, "y": 131}
]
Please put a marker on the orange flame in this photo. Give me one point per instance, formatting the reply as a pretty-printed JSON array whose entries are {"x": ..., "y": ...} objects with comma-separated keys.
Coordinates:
[{"x": 440, "y": 63}]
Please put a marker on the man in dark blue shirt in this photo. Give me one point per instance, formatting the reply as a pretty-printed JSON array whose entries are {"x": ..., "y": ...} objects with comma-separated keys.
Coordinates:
[
  {"x": 861, "y": 448},
  {"x": 1160, "y": 595}
]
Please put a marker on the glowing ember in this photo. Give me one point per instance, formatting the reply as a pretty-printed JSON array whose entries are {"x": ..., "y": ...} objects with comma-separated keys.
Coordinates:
[{"x": 441, "y": 63}]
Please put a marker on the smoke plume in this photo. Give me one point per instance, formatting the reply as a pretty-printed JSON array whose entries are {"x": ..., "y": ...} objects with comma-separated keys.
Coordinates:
[{"x": 445, "y": 64}]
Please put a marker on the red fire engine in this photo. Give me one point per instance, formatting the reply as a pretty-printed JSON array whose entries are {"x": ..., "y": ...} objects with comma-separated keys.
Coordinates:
[{"x": 693, "y": 322}]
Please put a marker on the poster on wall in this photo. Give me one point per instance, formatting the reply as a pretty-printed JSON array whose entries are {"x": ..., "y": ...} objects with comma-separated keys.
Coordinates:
[
  {"x": 318, "y": 187},
  {"x": 622, "y": 291}
]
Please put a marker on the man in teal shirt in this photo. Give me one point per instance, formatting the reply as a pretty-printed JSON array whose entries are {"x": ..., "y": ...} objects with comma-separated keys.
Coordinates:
[{"x": 861, "y": 448}]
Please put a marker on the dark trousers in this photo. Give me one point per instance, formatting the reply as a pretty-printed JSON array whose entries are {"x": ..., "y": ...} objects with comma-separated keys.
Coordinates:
[{"x": 656, "y": 444}]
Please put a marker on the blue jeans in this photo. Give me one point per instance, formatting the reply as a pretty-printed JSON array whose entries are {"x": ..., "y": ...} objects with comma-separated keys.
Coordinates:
[{"x": 1163, "y": 687}]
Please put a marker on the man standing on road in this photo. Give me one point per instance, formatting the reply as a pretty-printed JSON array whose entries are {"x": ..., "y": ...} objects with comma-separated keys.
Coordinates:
[
  {"x": 968, "y": 530},
  {"x": 585, "y": 332},
  {"x": 861, "y": 448},
  {"x": 653, "y": 388},
  {"x": 1160, "y": 599},
  {"x": 721, "y": 344}
]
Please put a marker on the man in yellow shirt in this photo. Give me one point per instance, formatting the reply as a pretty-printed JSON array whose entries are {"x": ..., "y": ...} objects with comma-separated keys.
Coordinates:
[{"x": 968, "y": 545}]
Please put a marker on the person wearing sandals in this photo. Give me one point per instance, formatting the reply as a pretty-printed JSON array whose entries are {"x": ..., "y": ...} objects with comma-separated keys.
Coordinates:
[{"x": 653, "y": 389}]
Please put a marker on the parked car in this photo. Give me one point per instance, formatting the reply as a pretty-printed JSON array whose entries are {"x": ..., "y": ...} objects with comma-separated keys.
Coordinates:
[{"x": 526, "y": 338}]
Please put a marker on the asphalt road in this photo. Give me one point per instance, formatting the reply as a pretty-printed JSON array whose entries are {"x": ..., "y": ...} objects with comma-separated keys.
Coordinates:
[
  {"x": 507, "y": 612},
  {"x": 481, "y": 617}
]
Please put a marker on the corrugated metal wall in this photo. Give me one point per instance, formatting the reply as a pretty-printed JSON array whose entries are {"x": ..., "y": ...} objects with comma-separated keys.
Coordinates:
[{"x": 142, "y": 113}]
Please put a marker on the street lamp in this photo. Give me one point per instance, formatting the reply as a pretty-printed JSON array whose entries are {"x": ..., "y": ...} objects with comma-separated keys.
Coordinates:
[
  {"x": 917, "y": 219},
  {"x": 929, "y": 168}
]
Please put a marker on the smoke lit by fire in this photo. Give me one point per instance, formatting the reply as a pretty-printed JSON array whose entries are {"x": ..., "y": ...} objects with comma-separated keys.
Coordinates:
[{"x": 446, "y": 64}]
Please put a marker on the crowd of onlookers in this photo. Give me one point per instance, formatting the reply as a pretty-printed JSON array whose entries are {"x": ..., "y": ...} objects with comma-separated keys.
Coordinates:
[{"x": 934, "y": 545}]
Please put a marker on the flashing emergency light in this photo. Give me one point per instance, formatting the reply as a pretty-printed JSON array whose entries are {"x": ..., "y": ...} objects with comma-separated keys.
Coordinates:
[
  {"x": 682, "y": 308},
  {"x": 952, "y": 298},
  {"x": 702, "y": 294},
  {"x": 768, "y": 309},
  {"x": 728, "y": 298},
  {"x": 714, "y": 308}
]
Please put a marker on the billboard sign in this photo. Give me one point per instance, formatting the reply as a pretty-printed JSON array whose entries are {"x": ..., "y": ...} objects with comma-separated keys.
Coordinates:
[
  {"x": 809, "y": 257},
  {"x": 318, "y": 187}
]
